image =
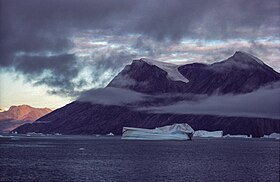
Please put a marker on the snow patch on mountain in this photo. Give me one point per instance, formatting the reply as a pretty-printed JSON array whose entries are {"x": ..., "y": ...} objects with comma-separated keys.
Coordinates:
[{"x": 171, "y": 69}]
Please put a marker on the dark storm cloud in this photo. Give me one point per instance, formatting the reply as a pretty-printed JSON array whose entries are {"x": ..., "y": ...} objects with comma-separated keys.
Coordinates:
[
  {"x": 109, "y": 62},
  {"x": 208, "y": 19},
  {"x": 31, "y": 31},
  {"x": 36, "y": 35},
  {"x": 56, "y": 71}
]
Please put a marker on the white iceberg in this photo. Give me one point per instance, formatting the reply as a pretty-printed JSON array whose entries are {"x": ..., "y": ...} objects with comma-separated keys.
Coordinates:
[
  {"x": 237, "y": 136},
  {"x": 34, "y": 134},
  {"x": 273, "y": 135},
  {"x": 110, "y": 134},
  {"x": 206, "y": 134},
  {"x": 176, "y": 131}
]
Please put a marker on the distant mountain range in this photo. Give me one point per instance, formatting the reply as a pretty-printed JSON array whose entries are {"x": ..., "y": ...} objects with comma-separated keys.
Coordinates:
[
  {"x": 239, "y": 95},
  {"x": 18, "y": 115}
]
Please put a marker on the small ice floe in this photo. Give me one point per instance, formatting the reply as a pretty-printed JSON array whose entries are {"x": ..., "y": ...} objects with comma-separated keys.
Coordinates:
[
  {"x": 110, "y": 134},
  {"x": 237, "y": 136},
  {"x": 273, "y": 136},
  {"x": 81, "y": 148},
  {"x": 97, "y": 135},
  {"x": 206, "y": 134},
  {"x": 14, "y": 138},
  {"x": 34, "y": 134},
  {"x": 57, "y": 134}
]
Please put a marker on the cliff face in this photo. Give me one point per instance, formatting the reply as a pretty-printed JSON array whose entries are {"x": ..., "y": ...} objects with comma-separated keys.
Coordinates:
[{"x": 137, "y": 95}]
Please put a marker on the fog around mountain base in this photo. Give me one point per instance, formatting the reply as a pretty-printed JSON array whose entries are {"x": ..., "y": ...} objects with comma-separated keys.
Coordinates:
[{"x": 262, "y": 103}]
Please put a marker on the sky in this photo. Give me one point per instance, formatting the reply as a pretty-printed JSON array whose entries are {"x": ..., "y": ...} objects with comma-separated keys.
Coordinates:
[{"x": 52, "y": 50}]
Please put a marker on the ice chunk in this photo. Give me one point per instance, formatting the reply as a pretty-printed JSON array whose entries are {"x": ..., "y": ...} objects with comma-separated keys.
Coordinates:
[
  {"x": 273, "y": 135},
  {"x": 237, "y": 136},
  {"x": 180, "y": 131},
  {"x": 34, "y": 134},
  {"x": 203, "y": 133}
]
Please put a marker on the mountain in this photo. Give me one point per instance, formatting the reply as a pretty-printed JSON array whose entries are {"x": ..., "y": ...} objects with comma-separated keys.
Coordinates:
[
  {"x": 151, "y": 77},
  {"x": 18, "y": 115},
  {"x": 239, "y": 95},
  {"x": 241, "y": 73}
]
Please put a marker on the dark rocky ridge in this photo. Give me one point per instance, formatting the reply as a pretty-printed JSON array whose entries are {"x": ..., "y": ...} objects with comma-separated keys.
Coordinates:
[{"x": 239, "y": 74}]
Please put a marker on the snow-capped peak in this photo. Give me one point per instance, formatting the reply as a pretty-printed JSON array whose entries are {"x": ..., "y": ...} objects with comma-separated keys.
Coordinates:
[{"x": 171, "y": 69}]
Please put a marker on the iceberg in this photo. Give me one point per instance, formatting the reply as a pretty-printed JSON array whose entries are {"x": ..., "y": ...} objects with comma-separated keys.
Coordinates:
[
  {"x": 34, "y": 134},
  {"x": 177, "y": 131},
  {"x": 237, "y": 136},
  {"x": 206, "y": 134},
  {"x": 273, "y": 135}
]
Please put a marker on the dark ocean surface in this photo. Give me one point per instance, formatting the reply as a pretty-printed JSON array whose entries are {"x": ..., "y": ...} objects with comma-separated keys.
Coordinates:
[{"x": 86, "y": 158}]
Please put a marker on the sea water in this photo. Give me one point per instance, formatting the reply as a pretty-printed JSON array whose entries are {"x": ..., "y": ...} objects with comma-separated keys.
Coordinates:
[{"x": 90, "y": 158}]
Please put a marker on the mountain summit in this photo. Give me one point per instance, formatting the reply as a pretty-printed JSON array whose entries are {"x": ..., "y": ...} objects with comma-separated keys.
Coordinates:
[
  {"x": 245, "y": 57},
  {"x": 221, "y": 96},
  {"x": 147, "y": 76}
]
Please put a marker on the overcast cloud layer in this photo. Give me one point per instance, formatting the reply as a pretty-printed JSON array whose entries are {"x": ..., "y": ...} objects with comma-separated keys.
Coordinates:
[{"x": 74, "y": 45}]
